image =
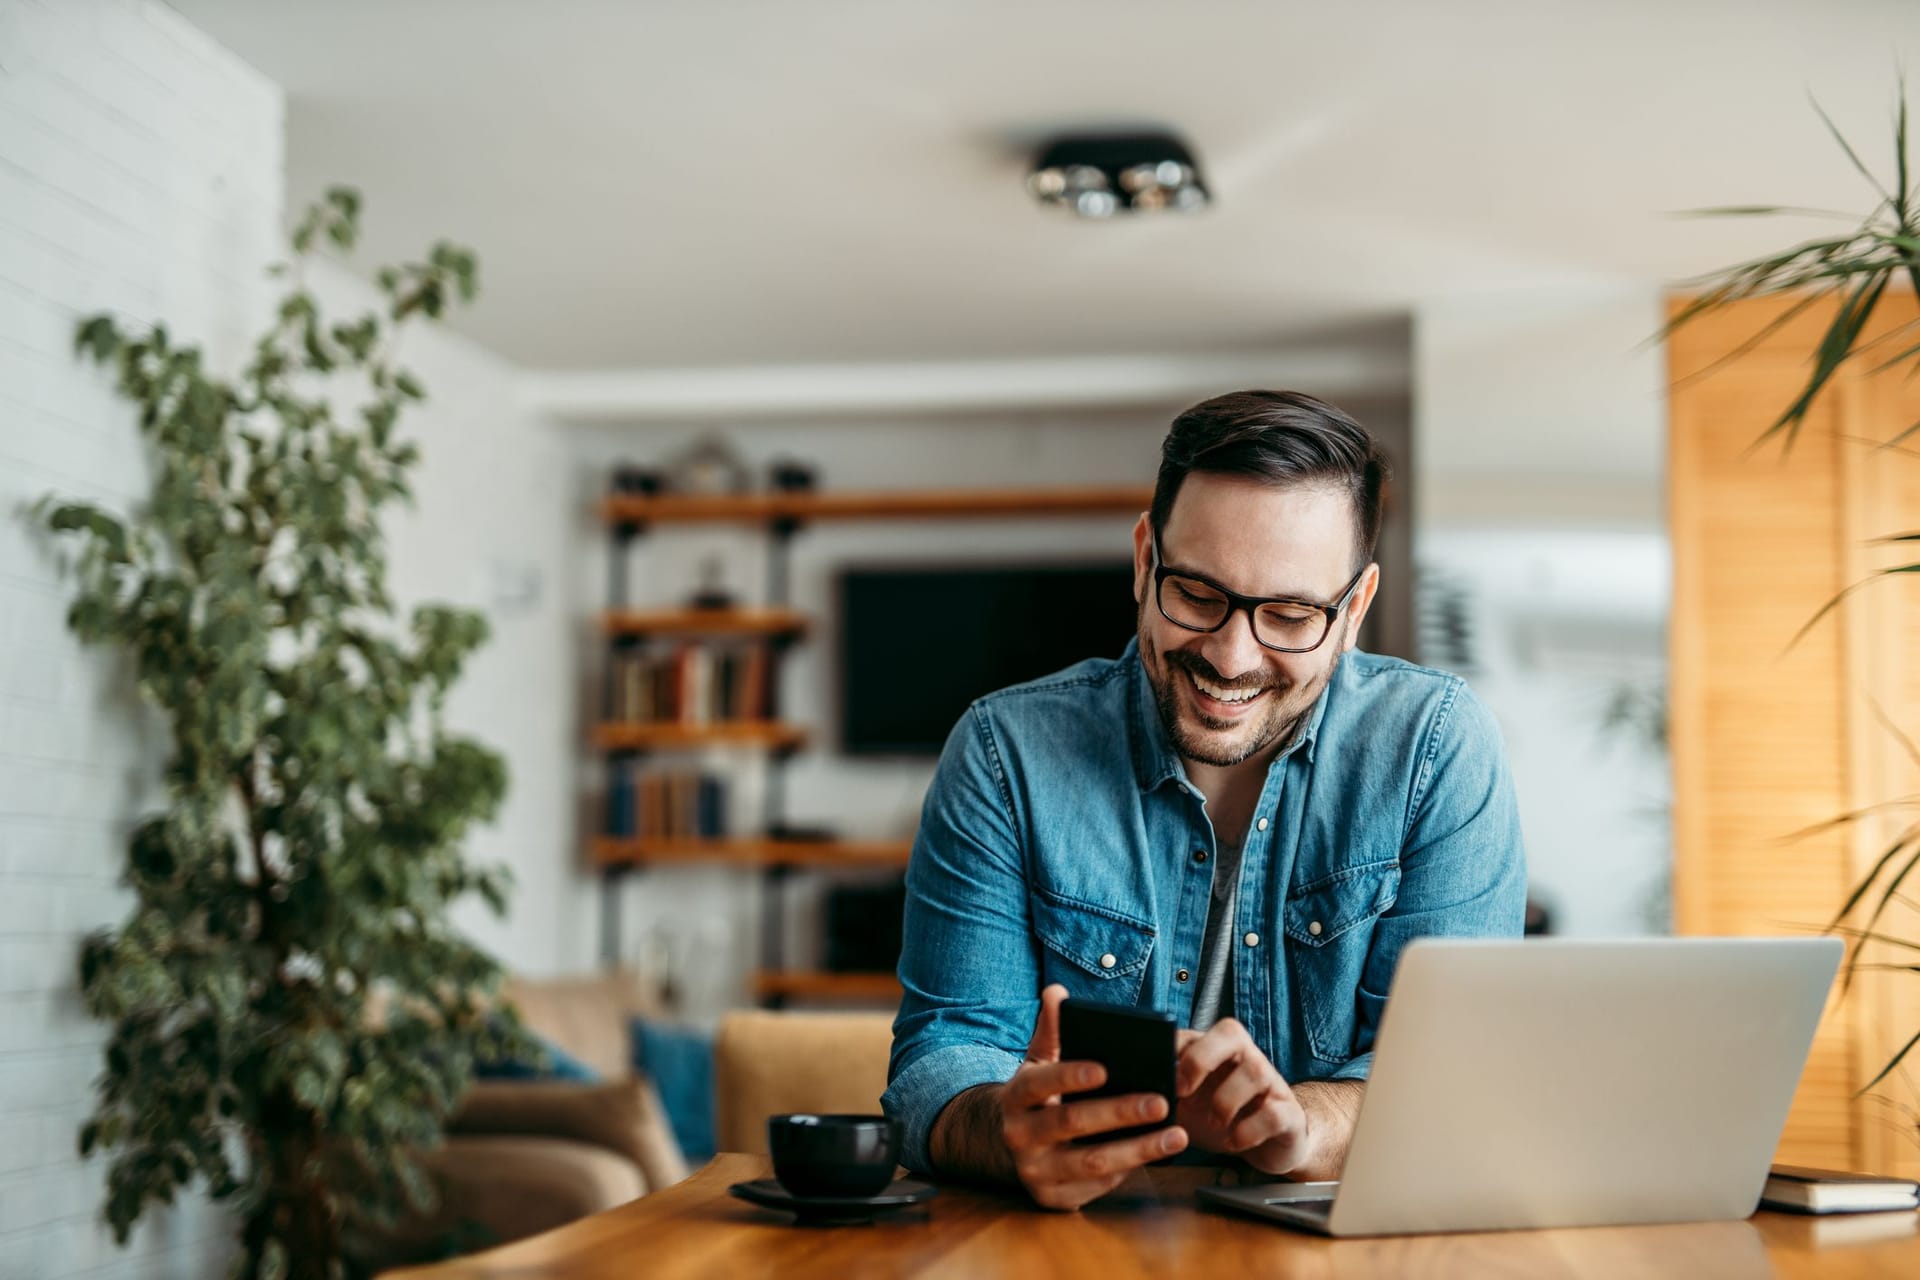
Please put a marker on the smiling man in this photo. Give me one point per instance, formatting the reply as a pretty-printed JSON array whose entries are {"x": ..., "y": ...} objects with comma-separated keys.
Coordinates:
[{"x": 1240, "y": 821}]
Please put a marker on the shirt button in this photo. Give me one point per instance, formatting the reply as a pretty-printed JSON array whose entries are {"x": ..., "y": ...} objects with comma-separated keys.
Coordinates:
[
  {"x": 1199, "y": 855},
  {"x": 1181, "y": 975},
  {"x": 1107, "y": 961},
  {"x": 1261, "y": 825},
  {"x": 1253, "y": 939},
  {"x": 1314, "y": 928}
]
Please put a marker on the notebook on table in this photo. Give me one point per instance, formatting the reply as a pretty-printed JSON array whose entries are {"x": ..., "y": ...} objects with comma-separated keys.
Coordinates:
[{"x": 1794, "y": 1189}]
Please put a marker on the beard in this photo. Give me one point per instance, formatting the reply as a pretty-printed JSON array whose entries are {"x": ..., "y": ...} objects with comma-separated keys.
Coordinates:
[{"x": 1222, "y": 743}]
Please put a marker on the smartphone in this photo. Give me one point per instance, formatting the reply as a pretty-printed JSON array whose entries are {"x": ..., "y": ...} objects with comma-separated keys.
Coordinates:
[{"x": 1134, "y": 1045}]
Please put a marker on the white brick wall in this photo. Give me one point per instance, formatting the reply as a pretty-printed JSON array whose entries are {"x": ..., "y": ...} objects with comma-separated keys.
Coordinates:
[{"x": 141, "y": 171}]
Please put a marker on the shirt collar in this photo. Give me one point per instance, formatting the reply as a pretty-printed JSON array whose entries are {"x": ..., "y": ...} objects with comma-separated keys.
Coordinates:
[{"x": 1155, "y": 762}]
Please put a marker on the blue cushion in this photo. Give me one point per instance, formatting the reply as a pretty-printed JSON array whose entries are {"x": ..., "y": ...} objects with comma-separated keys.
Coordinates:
[
  {"x": 552, "y": 1063},
  {"x": 679, "y": 1061}
]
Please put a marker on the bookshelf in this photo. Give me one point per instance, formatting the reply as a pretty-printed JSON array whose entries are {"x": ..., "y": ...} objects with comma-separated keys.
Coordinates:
[{"x": 768, "y": 629}]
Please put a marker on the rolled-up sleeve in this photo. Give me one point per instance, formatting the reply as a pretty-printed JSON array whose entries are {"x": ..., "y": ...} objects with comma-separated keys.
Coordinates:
[
  {"x": 968, "y": 969},
  {"x": 1355, "y": 1068}
]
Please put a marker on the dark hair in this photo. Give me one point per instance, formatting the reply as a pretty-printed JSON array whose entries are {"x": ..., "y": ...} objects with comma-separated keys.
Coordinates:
[{"x": 1283, "y": 437}]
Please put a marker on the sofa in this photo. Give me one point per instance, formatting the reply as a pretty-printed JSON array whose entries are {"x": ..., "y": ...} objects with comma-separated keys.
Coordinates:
[{"x": 524, "y": 1156}]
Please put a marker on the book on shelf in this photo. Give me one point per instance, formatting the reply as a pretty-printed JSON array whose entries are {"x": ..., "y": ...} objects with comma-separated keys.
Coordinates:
[
  {"x": 690, "y": 684},
  {"x": 664, "y": 804},
  {"x": 1801, "y": 1190}
]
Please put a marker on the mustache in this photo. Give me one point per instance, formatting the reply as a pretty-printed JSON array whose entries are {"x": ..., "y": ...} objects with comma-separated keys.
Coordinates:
[{"x": 1194, "y": 664}]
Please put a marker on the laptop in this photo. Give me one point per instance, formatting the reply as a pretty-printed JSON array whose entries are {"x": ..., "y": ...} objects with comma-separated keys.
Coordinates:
[{"x": 1570, "y": 1084}]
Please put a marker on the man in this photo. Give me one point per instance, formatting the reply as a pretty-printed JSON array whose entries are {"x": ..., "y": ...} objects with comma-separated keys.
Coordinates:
[{"x": 1240, "y": 822}]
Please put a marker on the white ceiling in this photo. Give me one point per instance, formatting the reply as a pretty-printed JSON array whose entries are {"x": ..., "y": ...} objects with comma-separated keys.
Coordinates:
[{"x": 730, "y": 183}]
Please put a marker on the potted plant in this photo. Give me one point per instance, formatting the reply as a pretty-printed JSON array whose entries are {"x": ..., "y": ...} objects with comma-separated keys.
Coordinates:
[
  {"x": 292, "y": 1015},
  {"x": 1851, "y": 271}
]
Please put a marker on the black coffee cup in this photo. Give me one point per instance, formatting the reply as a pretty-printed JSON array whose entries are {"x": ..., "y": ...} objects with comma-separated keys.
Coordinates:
[{"x": 821, "y": 1155}]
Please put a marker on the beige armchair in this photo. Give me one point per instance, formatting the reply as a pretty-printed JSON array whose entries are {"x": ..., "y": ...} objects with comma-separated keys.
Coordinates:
[
  {"x": 524, "y": 1156},
  {"x": 773, "y": 1063}
]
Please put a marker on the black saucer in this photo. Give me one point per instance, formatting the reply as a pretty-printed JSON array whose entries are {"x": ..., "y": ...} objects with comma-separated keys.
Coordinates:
[{"x": 834, "y": 1211}]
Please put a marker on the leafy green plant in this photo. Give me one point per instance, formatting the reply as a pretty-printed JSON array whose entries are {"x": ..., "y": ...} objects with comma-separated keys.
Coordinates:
[
  {"x": 1854, "y": 270},
  {"x": 292, "y": 1014}
]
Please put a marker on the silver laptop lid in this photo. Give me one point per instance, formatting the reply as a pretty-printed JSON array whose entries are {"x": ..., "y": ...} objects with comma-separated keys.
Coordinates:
[{"x": 1569, "y": 1083}]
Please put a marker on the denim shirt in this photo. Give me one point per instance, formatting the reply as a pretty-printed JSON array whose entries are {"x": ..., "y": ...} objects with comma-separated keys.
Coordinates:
[{"x": 1061, "y": 842}]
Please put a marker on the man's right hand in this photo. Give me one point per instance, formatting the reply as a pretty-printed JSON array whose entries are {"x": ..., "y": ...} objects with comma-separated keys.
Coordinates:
[{"x": 1038, "y": 1126}]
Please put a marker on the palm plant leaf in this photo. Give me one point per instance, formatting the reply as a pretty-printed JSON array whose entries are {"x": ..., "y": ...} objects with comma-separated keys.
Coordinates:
[
  {"x": 1834, "y": 350},
  {"x": 1900, "y": 193},
  {"x": 1906, "y": 353},
  {"x": 1830, "y": 605},
  {"x": 1899, "y": 846},
  {"x": 1852, "y": 815},
  {"x": 1763, "y": 210},
  {"x": 1761, "y": 276},
  {"x": 1766, "y": 331},
  {"x": 1847, "y": 147},
  {"x": 1907, "y": 842},
  {"x": 1891, "y": 335},
  {"x": 1899, "y": 734},
  {"x": 1866, "y": 935},
  {"x": 1892, "y": 1063},
  {"x": 1854, "y": 270},
  {"x": 1900, "y": 439},
  {"x": 1891, "y": 446}
]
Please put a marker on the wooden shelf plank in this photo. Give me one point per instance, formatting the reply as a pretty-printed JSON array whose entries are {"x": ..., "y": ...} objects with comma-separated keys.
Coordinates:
[
  {"x": 704, "y": 622},
  {"x": 805, "y": 984},
  {"x": 672, "y": 736},
  {"x": 751, "y": 851},
  {"x": 881, "y": 505},
  {"x": 962, "y": 503}
]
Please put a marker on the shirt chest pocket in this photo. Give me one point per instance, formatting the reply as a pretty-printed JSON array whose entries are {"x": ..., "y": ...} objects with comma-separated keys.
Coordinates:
[
  {"x": 1095, "y": 952},
  {"x": 1329, "y": 928}
]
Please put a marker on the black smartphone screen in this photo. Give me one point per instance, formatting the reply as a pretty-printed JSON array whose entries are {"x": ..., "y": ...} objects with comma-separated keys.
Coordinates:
[{"x": 1134, "y": 1045}]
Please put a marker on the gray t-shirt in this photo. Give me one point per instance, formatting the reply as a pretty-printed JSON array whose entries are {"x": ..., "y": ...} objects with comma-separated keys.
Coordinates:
[{"x": 1213, "y": 994}]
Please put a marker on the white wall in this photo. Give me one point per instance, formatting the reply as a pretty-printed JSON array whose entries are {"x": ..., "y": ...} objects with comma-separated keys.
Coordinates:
[
  {"x": 1539, "y": 437},
  {"x": 1543, "y": 405},
  {"x": 489, "y": 531},
  {"x": 140, "y": 171}
]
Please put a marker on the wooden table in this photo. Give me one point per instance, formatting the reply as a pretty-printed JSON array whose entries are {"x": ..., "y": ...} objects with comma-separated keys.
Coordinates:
[{"x": 1153, "y": 1226}]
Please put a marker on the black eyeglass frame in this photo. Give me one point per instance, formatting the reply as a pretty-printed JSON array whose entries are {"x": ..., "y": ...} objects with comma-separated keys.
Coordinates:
[{"x": 1237, "y": 602}]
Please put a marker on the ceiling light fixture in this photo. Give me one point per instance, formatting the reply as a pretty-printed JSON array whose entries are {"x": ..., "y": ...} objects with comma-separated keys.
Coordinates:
[{"x": 1097, "y": 175}]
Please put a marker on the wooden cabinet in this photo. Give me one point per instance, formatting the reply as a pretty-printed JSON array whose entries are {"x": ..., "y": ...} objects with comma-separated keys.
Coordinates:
[{"x": 1773, "y": 735}]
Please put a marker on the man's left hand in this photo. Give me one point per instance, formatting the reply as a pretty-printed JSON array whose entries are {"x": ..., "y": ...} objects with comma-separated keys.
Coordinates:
[{"x": 1232, "y": 1101}]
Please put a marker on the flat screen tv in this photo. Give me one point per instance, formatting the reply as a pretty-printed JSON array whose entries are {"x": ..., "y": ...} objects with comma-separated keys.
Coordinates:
[{"x": 918, "y": 644}]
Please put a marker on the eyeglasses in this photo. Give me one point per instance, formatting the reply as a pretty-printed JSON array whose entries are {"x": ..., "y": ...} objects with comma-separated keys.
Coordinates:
[{"x": 1290, "y": 626}]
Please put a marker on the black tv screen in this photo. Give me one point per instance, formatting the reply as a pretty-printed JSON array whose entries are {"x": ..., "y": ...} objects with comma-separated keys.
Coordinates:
[{"x": 917, "y": 645}]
